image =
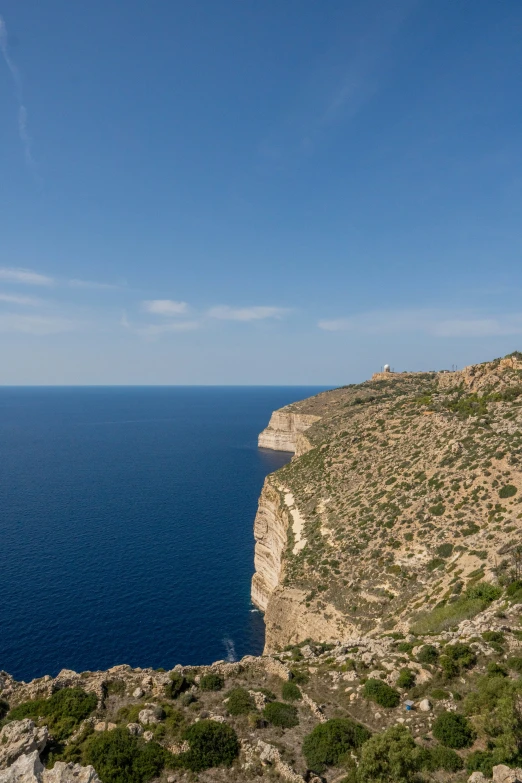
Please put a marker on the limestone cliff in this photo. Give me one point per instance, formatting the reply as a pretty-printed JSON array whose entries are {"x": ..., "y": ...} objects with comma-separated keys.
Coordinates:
[
  {"x": 284, "y": 429},
  {"x": 407, "y": 489}
]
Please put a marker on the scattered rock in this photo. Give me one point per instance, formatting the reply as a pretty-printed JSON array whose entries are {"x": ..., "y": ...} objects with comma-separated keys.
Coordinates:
[
  {"x": 148, "y": 717},
  {"x": 503, "y": 774},
  {"x": 135, "y": 729}
]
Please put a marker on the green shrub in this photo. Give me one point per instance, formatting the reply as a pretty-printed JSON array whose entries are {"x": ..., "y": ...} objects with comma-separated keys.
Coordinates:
[
  {"x": 515, "y": 663},
  {"x": 514, "y": 587},
  {"x": 211, "y": 682},
  {"x": 119, "y": 757},
  {"x": 428, "y": 654},
  {"x": 484, "y": 591},
  {"x": 406, "y": 679},
  {"x": 453, "y": 730},
  {"x": 329, "y": 742},
  {"x": 291, "y": 692},
  {"x": 405, "y": 647},
  {"x": 390, "y": 756},
  {"x": 493, "y": 636},
  {"x": 177, "y": 685},
  {"x": 279, "y": 714},
  {"x": 211, "y": 744},
  {"x": 301, "y": 678},
  {"x": 438, "y": 694},
  {"x": 495, "y": 670},
  {"x": 63, "y": 711},
  {"x": 481, "y": 761},
  {"x": 457, "y": 657},
  {"x": 445, "y": 550},
  {"x": 239, "y": 702},
  {"x": 507, "y": 491},
  {"x": 381, "y": 693},
  {"x": 444, "y": 758}
]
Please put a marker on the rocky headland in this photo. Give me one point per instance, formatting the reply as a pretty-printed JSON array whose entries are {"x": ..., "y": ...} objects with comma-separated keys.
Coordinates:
[{"x": 389, "y": 566}]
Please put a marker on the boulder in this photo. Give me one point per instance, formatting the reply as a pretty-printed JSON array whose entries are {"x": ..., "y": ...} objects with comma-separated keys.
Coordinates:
[
  {"x": 425, "y": 705},
  {"x": 138, "y": 693},
  {"x": 148, "y": 717},
  {"x": 20, "y": 738},
  {"x": 477, "y": 777},
  {"x": 25, "y": 769},
  {"x": 135, "y": 729},
  {"x": 503, "y": 774},
  {"x": 70, "y": 773}
]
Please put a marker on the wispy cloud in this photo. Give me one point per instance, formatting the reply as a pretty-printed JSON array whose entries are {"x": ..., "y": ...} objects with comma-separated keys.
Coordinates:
[
  {"x": 17, "y": 79},
  {"x": 165, "y": 307},
  {"x": 94, "y": 285},
  {"x": 431, "y": 321},
  {"x": 34, "y": 324},
  {"x": 24, "y": 276},
  {"x": 226, "y": 313},
  {"x": 156, "y": 330},
  {"x": 24, "y": 301}
]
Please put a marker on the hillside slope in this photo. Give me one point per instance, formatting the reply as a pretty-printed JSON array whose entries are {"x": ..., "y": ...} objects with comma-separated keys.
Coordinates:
[{"x": 404, "y": 490}]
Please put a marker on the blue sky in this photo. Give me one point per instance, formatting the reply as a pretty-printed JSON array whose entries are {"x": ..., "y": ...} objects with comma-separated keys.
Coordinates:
[{"x": 257, "y": 192}]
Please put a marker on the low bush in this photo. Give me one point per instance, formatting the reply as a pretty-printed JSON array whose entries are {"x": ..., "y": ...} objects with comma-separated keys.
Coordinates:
[
  {"x": 438, "y": 694},
  {"x": 211, "y": 744},
  {"x": 428, "y": 654},
  {"x": 211, "y": 682},
  {"x": 513, "y": 588},
  {"x": 301, "y": 678},
  {"x": 453, "y": 730},
  {"x": 493, "y": 636},
  {"x": 481, "y": 761},
  {"x": 239, "y": 702},
  {"x": 406, "y": 679},
  {"x": 119, "y": 757},
  {"x": 445, "y": 550},
  {"x": 279, "y": 714},
  {"x": 446, "y": 759},
  {"x": 381, "y": 693},
  {"x": 484, "y": 591},
  {"x": 507, "y": 491},
  {"x": 177, "y": 685},
  {"x": 326, "y": 745},
  {"x": 63, "y": 711},
  {"x": 457, "y": 657},
  {"x": 291, "y": 692},
  {"x": 405, "y": 647},
  {"x": 515, "y": 663},
  {"x": 496, "y": 670},
  {"x": 390, "y": 756}
]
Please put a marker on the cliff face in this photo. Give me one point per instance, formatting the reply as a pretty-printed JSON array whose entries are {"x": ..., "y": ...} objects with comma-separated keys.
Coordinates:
[
  {"x": 402, "y": 492},
  {"x": 283, "y": 430}
]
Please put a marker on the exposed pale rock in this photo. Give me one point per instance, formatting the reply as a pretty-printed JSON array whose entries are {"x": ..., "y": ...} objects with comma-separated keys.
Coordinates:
[
  {"x": 283, "y": 429},
  {"x": 148, "y": 736},
  {"x": 70, "y": 773},
  {"x": 138, "y": 693},
  {"x": 425, "y": 705},
  {"x": 20, "y": 737},
  {"x": 477, "y": 777},
  {"x": 26, "y": 769},
  {"x": 148, "y": 717},
  {"x": 503, "y": 774},
  {"x": 135, "y": 729}
]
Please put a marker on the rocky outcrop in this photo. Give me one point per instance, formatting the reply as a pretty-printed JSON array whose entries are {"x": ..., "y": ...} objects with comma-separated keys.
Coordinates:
[
  {"x": 284, "y": 428},
  {"x": 19, "y": 738}
]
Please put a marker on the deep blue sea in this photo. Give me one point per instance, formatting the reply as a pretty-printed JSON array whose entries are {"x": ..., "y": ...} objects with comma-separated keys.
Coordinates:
[{"x": 126, "y": 524}]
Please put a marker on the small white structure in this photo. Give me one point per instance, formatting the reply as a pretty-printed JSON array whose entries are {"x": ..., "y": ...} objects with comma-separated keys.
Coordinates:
[{"x": 387, "y": 368}]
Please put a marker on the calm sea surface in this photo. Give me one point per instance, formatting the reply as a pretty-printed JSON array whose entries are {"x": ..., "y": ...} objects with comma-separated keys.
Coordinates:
[{"x": 126, "y": 521}]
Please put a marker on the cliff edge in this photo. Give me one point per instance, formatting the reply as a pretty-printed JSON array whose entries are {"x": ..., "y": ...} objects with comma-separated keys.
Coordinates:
[{"x": 402, "y": 491}]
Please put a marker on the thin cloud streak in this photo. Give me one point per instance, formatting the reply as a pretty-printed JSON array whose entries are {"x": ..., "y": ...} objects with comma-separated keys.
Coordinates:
[
  {"x": 23, "y": 133},
  {"x": 431, "y": 321},
  {"x": 165, "y": 307},
  {"x": 34, "y": 324},
  {"x": 24, "y": 276},
  {"x": 156, "y": 330},
  {"x": 94, "y": 285},
  {"x": 226, "y": 313},
  {"x": 24, "y": 301}
]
